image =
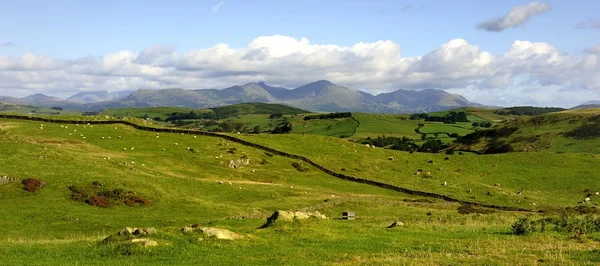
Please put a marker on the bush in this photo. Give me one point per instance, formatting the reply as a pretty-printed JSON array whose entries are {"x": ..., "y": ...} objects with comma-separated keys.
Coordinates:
[
  {"x": 523, "y": 226},
  {"x": 31, "y": 184},
  {"x": 99, "y": 201},
  {"x": 299, "y": 167}
]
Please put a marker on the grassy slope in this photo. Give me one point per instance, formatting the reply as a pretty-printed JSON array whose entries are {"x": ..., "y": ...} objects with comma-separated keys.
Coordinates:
[
  {"x": 152, "y": 112},
  {"x": 545, "y": 133},
  {"x": 39, "y": 227},
  {"x": 550, "y": 180}
]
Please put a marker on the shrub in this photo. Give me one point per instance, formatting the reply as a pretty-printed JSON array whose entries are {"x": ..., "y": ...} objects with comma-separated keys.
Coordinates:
[
  {"x": 300, "y": 167},
  {"x": 99, "y": 201},
  {"x": 31, "y": 184},
  {"x": 523, "y": 226}
]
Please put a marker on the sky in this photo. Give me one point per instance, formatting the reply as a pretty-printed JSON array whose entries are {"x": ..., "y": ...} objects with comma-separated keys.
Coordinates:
[{"x": 511, "y": 52}]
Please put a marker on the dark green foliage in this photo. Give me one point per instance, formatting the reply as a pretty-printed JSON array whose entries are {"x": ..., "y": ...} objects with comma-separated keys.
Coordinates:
[
  {"x": 300, "y": 167},
  {"x": 275, "y": 116},
  {"x": 256, "y": 130},
  {"x": 585, "y": 131},
  {"x": 451, "y": 118},
  {"x": 432, "y": 145},
  {"x": 523, "y": 226},
  {"x": 495, "y": 148},
  {"x": 328, "y": 116},
  {"x": 488, "y": 133},
  {"x": 528, "y": 110},
  {"x": 56, "y": 108},
  {"x": 395, "y": 143},
  {"x": 284, "y": 128}
]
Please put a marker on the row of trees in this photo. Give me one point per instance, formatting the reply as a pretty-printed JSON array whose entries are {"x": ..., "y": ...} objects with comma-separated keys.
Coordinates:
[
  {"x": 328, "y": 116},
  {"x": 451, "y": 118},
  {"x": 528, "y": 110},
  {"x": 406, "y": 144}
]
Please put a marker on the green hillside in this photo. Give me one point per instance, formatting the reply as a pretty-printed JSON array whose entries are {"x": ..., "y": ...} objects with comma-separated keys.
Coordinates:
[
  {"x": 566, "y": 131},
  {"x": 185, "y": 179}
]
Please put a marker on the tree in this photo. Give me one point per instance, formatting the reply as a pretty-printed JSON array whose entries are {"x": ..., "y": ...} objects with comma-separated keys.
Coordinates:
[
  {"x": 256, "y": 130},
  {"x": 436, "y": 135}
]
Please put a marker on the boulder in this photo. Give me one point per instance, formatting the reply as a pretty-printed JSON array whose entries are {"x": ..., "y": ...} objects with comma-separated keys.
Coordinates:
[
  {"x": 219, "y": 233},
  {"x": 286, "y": 216},
  {"x": 144, "y": 242},
  {"x": 126, "y": 231},
  {"x": 395, "y": 224}
]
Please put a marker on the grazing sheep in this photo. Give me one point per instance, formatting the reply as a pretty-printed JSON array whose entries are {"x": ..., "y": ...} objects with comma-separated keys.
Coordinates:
[
  {"x": 195, "y": 137},
  {"x": 495, "y": 165},
  {"x": 497, "y": 185},
  {"x": 124, "y": 149},
  {"x": 176, "y": 144},
  {"x": 439, "y": 169},
  {"x": 418, "y": 172},
  {"x": 587, "y": 200},
  {"x": 587, "y": 190},
  {"x": 428, "y": 173},
  {"x": 483, "y": 175},
  {"x": 102, "y": 137},
  {"x": 445, "y": 183},
  {"x": 470, "y": 190},
  {"x": 367, "y": 145},
  {"x": 164, "y": 149},
  {"x": 157, "y": 137},
  {"x": 131, "y": 148},
  {"x": 597, "y": 193}
]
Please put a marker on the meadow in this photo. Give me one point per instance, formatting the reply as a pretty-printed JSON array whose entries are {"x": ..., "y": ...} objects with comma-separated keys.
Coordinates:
[{"x": 187, "y": 180}]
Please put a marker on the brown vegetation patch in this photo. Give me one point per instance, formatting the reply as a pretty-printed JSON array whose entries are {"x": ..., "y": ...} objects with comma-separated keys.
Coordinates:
[
  {"x": 98, "y": 195},
  {"x": 31, "y": 184}
]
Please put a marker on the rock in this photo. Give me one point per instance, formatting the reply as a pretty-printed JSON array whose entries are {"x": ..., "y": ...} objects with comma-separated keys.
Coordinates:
[
  {"x": 126, "y": 231},
  {"x": 218, "y": 233},
  {"x": 395, "y": 224},
  {"x": 150, "y": 230},
  {"x": 286, "y": 216},
  {"x": 144, "y": 242},
  {"x": 187, "y": 229}
]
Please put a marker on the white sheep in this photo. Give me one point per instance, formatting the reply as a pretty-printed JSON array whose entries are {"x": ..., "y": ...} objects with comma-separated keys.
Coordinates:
[
  {"x": 445, "y": 183},
  {"x": 195, "y": 137},
  {"x": 176, "y": 144},
  {"x": 587, "y": 200}
]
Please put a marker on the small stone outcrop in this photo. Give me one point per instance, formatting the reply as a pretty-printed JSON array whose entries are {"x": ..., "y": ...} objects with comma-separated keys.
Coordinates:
[
  {"x": 212, "y": 232},
  {"x": 395, "y": 224},
  {"x": 290, "y": 216},
  {"x": 132, "y": 236}
]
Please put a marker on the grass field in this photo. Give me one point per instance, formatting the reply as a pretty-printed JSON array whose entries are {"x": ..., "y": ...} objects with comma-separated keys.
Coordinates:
[
  {"x": 24, "y": 110},
  {"x": 48, "y": 228}
]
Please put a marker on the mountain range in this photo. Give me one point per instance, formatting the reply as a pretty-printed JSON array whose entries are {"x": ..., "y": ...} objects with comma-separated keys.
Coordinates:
[{"x": 321, "y": 95}]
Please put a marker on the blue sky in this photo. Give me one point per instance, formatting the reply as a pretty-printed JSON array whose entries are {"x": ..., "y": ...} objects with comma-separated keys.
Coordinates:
[{"x": 75, "y": 30}]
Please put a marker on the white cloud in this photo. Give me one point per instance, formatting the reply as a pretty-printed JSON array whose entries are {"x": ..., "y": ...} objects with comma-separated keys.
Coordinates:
[
  {"x": 286, "y": 61},
  {"x": 593, "y": 50},
  {"x": 517, "y": 16},
  {"x": 217, "y": 6}
]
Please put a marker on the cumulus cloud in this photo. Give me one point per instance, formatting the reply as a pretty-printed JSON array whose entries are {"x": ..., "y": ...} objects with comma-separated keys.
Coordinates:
[
  {"x": 290, "y": 62},
  {"x": 517, "y": 16},
  {"x": 217, "y": 6},
  {"x": 588, "y": 24},
  {"x": 593, "y": 49}
]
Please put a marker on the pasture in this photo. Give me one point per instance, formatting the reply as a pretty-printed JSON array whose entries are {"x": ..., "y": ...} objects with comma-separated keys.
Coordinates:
[{"x": 187, "y": 180}]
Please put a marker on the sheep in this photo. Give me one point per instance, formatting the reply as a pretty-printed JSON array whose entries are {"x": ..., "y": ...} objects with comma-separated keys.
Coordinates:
[
  {"x": 418, "y": 172},
  {"x": 102, "y": 137},
  {"x": 445, "y": 183},
  {"x": 124, "y": 149},
  {"x": 470, "y": 190},
  {"x": 495, "y": 165},
  {"x": 483, "y": 175},
  {"x": 428, "y": 173},
  {"x": 446, "y": 159},
  {"x": 164, "y": 149},
  {"x": 367, "y": 145},
  {"x": 195, "y": 137},
  {"x": 597, "y": 193},
  {"x": 132, "y": 148},
  {"x": 458, "y": 170},
  {"x": 391, "y": 158},
  {"x": 176, "y": 144},
  {"x": 587, "y": 200},
  {"x": 439, "y": 169},
  {"x": 230, "y": 182},
  {"x": 497, "y": 185},
  {"x": 430, "y": 162},
  {"x": 291, "y": 187},
  {"x": 157, "y": 137}
]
